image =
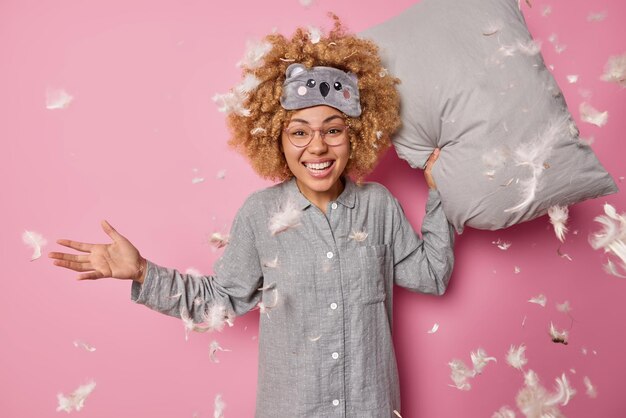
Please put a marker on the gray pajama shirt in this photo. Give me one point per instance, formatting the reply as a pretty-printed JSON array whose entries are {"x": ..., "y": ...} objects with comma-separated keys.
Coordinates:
[{"x": 325, "y": 349}]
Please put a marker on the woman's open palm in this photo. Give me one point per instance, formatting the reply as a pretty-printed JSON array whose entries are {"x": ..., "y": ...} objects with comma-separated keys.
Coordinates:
[{"x": 119, "y": 259}]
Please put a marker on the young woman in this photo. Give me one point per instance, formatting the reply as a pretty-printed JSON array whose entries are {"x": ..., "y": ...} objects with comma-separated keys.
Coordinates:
[{"x": 318, "y": 251}]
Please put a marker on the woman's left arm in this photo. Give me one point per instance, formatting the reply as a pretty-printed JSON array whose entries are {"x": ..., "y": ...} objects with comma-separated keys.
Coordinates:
[{"x": 424, "y": 265}]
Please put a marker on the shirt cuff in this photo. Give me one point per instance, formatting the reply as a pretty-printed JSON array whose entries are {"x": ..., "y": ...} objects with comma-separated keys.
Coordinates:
[{"x": 141, "y": 292}]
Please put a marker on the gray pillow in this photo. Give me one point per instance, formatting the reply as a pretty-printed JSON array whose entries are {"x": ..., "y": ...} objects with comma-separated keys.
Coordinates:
[{"x": 474, "y": 84}]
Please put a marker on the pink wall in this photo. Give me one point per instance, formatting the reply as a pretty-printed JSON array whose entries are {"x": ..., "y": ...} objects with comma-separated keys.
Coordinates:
[{"x": 142, "y": 74}]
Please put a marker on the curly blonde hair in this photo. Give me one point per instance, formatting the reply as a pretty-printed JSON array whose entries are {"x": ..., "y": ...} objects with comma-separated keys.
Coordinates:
[{"x": 257, "y": 127}]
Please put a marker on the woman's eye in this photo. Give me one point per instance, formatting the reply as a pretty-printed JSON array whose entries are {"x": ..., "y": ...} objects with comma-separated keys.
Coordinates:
[{"x": 298, "y": 133}]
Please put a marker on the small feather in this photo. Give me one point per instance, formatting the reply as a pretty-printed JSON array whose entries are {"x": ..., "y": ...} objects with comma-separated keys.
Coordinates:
[
  {"x": 434, "y": 328},
  {"x": 612, "y": 238},
  {"x": 539, "y": 300},
  {"x": 257, "y": 131},
  {"x": 480, "y": 360},
  {"x": 84, "y": 346},
  {"x": 558, "y": 336},
  {"x": 558, "y": 219},
  {"x": 35, "y": 241},
  {"x": 57, "y": 99},
  {"x": 272, "y": 264},
  {"x": 219, "y": 240},
  {"x": 255, "y": 54},
  {"x": 503, "y": 245},
  {"x": 249, "y": 83},
  {"x": 504, "y": 412},
  {"x": 596, "y": 17},
  {"x": 615, "y": 70},
  {"x": 76, "y": 400},
  {"x": 591, "y": 390},
  {"x": 315, "y": 34},
  {"x": 218, "y": 411},
  {"x": 516, "y": 358},
  {"x": 590, "y": 115},
  {"x": 214, "y": 347},
  {"x": 461, "y": 374},
  {"x": 564, "y": 307},
  {"x": 612, "y": 269},
  {"x": 573, "y": 78},
  {"x": 358, "y": 236},
  {"x": 534, "y": 155},
  {"x": 286, "y": 218},
  {"x": 231, "y": 102},
  {"x": 397, "y": 413}
]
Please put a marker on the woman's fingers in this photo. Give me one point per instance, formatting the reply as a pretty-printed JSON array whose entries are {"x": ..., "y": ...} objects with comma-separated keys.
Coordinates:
[
  {"x": 75, "y": 245},
  {"x": 92, "y": 275},
  {"x": 433, "y": 157},
  {"x": 73, "y": 265},
  {"x": 69, "y": 257},
  {"x": 111, "y": 232}
]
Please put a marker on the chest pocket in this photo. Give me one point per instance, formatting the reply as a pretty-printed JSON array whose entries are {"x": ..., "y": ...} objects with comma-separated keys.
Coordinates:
[{"x": 367, "y": 278}]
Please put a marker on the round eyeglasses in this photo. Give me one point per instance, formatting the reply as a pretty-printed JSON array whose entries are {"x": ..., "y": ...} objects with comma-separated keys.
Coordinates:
[{"x": 301, "y": 135}]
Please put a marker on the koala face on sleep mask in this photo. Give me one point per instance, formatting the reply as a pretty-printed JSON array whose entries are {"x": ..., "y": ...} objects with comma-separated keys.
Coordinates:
[{"x": 320, "y": 86}]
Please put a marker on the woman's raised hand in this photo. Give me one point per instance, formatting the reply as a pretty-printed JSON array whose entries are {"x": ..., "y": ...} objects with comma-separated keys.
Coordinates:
[
  {"x": 119, "y": 259},
  {"x": 428, "y": 168}
]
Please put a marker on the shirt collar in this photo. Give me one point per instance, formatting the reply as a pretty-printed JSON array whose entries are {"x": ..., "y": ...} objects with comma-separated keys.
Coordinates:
[{"x": 346, "y": 198}]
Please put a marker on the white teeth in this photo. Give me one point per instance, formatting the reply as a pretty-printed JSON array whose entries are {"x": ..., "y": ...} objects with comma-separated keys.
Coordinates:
[{"x": 319, "y": 166}]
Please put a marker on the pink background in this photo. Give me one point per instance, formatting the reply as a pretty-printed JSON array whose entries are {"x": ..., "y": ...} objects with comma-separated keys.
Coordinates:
[{"x": 142, "y": 125}]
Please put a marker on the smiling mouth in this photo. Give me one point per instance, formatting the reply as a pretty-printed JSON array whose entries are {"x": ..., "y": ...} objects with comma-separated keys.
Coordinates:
[{"x": 319, "y": 166}]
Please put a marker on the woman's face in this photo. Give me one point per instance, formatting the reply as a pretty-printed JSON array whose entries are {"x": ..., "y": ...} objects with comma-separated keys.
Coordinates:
[{"x": 318, "y": 167}]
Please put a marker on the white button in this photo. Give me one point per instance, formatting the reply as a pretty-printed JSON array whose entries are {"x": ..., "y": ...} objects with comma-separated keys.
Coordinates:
[
  {"x": 333, "y": 305},
  {"x": 335, "y": 355},
  {"x": 329, "y": 254},
  {"x": 336, "y": 402},
  {"x": 334, "y": 205}
]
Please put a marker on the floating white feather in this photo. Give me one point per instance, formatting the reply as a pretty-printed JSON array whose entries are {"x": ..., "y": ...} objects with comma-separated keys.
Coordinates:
[
  {"x": 76, "y": 400},
  {"x": 503, "y": 245},
  {"x": 219, "y": 240},
  {"x": 461, "y": 374},
  {"x": 57, "y": 99},
  {"x": 214, "y": 347},
  {"x": 558, "y": 218},
  {"x": 231, "y": 102},
  {"x": 612, "y": 237},
  {"x": 573, "y": 78},
  {"x": 480, "y": 360},
  {"x": 35, "y": 241},
  {"x": 287, "y": 217},
  {"x": 255, "y": 54},
  {"x": 84, "y": 346},
  {"x": 515, "y": 357},
  {"x": 315, "y": 34},
  {"x": 539, "y": 300},
  {"x": 591, "y": 390},
  {"x": 558, "y": 336},
  {"x": 615, "y": 70},
  {"x": 249, "y": 83},
  {"x": 534, "y": 401},
  {"x": 591, "y": 115},
  {"x": 218, "y": 411},
  {"x": 534, "y": 155},
  {"x": 563, "y": 394},
  {"x": 504, "y": 412},
  {"x": 434, "y": 329},
  {"x": 612, "y": 269},
  {"x": 564, "y": 307},
  {"x": 596, "y": 17}
]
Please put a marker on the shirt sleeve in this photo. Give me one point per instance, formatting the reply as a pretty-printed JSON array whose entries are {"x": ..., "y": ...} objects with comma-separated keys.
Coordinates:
[
  {"x": 424, "y": 265},
  {"x": 234, "y": 287}
]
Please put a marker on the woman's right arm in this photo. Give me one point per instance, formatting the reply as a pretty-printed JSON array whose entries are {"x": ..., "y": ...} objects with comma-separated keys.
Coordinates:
[{"x": 234, "y": 286}]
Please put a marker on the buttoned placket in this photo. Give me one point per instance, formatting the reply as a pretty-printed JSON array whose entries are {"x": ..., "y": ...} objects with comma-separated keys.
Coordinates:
[{"x": 335, "y": 316}]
